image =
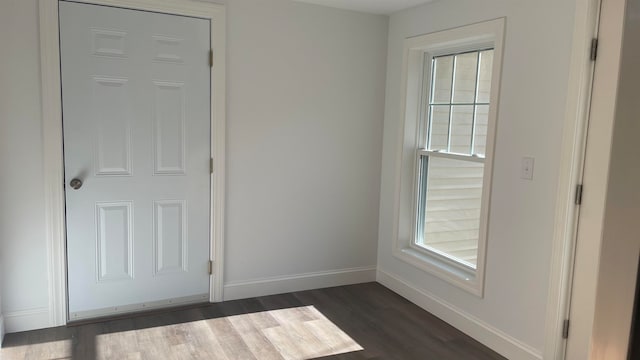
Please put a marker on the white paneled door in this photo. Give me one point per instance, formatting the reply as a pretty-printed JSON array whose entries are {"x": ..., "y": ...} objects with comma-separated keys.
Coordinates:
[{"x": 136, "y": 117}]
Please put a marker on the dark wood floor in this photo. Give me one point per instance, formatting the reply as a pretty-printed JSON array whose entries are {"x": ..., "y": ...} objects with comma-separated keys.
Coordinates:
[{"x": 365, "y": 321}]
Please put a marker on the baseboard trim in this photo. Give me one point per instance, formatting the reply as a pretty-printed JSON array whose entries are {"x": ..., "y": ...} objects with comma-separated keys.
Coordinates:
[
  {"x": 25, "y": 320},
  {"x": 491, "y": 337},
  {"x": 299, "y": 282}
]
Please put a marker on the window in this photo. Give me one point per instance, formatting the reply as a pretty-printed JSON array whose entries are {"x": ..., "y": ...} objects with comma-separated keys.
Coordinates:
[
  {"x": 451, "y": 83},
  {"x": 452, "y": 154}
]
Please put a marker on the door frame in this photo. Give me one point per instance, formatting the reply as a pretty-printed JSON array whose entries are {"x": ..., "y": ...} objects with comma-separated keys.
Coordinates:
[
  {"x": 53, "y": 139},
  {"x": 574, "y": 139},
  {"x": 596, "y": 330}
]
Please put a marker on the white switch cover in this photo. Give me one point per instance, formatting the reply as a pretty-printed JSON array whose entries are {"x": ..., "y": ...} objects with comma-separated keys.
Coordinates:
[{"x": 527, "y": 168}]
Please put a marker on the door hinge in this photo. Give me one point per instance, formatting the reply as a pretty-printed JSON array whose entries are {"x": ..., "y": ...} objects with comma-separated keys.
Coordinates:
[
  {"x": 565, "y": 329},
  {"x": 594, "y": 49},
  {"x": 211, "y": 58},
  {"x": 210, "y": 267},
  {"x": 211, "y": 165},
  {"x": 579, "y": 194}
]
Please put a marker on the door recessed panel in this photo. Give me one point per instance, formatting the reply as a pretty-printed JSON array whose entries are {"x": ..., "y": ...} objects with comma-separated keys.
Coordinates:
[
  {"x": 114, "y": 241},
  {"x": 109, "y": 43},
  {"x": 170, "y": 236},
  {"x": 167, "y": 49},
  {"x": 169, "y": 132},
  {"x": 113, "y": 126}
]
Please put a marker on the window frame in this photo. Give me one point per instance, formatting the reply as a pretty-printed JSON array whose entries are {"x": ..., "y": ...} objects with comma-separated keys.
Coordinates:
[
  {"x": 422, "y": 151},
  {"x": 418, "y": 54}
]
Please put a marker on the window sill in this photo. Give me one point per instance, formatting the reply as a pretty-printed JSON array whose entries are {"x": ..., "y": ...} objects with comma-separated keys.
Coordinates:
[{"x": 464, "y": 279}]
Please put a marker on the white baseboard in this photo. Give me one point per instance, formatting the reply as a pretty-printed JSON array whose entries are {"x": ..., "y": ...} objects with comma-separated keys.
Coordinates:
[
  {"x": 1, "y": 329},
  {"x": 299, "y": 282},
  {"x": 491, "y": 337},
  {"x": 26, "y": 320}
]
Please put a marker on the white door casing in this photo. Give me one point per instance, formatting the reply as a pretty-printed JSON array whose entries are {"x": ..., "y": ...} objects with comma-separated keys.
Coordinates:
[
  {"x": 572, "y": 160},
  {"x": 52, "y": 136},
  {"x": 135, "y": 94},
  {"x": 602, "y": 293}
]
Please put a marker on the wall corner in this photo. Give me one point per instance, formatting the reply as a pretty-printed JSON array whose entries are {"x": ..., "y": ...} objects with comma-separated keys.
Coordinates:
[{"x": 1, "y": 329}]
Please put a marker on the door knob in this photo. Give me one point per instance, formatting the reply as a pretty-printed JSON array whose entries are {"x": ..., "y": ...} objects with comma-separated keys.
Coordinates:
[{"x": 76, "y": 184}]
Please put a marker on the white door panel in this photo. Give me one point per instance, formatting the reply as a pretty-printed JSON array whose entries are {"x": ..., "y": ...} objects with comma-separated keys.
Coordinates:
[{"x": 136, "y": 108}]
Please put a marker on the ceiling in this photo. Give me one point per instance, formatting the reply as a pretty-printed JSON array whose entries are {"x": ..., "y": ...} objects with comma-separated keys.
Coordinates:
[{"x": 370, "y": 6}]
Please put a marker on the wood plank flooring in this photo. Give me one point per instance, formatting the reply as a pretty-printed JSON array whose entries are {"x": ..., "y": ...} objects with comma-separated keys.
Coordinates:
[{"x": 364, "y": 321}]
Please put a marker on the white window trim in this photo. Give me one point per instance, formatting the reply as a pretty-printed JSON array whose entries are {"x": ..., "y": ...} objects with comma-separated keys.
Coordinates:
[{"x": 470, "y": 37}]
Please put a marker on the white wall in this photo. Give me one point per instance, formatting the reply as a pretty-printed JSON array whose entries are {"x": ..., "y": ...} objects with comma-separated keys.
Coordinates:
[
  {"x": 510, "y": 318},
  {"x": 1, "y": 314},
  {"x": 306, "y": 104},
  {"x": 22, "y": 248},
  {"x": 306, "y": 97}
]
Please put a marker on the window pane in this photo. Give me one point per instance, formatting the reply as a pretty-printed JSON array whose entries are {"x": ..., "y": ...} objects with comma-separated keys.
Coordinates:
[
  {"x": 450, "y": 211},
  {"x": 464, "y": 87},
  {"x": 461, "y": 127},
  {"x": 442, "y": 75},
  {"x": 439, "y": 131},
  {"x": 480, "y": 137},
  {"x": 484, "y": 78}
]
